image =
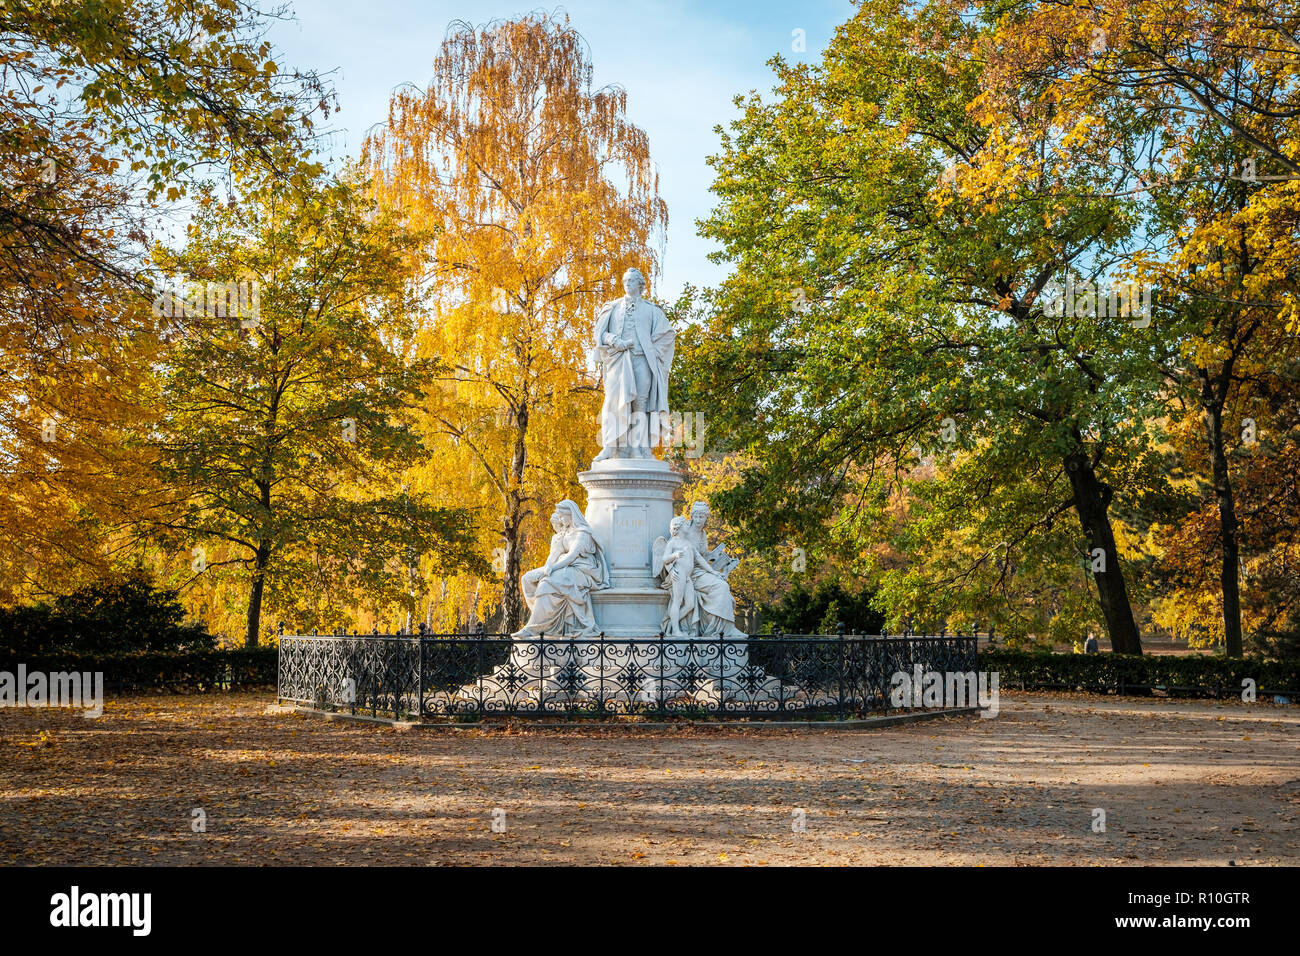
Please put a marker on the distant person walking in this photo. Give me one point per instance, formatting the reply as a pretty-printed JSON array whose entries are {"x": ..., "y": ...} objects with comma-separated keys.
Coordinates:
[{"x": 1090, "y": 645}]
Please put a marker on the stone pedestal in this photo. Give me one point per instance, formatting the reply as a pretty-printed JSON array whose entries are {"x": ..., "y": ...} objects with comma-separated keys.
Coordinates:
[{"x": 629, "y": 505}]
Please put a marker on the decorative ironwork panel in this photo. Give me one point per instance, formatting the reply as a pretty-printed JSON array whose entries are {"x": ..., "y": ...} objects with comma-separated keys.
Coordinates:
[{"x": 470, "y": 676}]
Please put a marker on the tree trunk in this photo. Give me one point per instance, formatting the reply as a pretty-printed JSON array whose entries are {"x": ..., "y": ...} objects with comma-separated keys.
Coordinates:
[
  {"x": 1228, "y": 529},
  {"x": 512, "y": 602},
  {"x": 1091, "y": 501},
  {"x": 262, "y": 557},
  {"x": 253, "y": 630}
]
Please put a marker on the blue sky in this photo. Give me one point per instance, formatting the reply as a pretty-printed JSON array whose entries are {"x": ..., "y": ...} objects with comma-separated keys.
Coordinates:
[{"x": 681, "y": 63}]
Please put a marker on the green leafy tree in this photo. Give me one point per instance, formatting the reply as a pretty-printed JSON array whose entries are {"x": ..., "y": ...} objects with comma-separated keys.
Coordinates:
[
  {"x": 884, "y": 312},
  {"x": 1214, "y": 85},
  {"x": 110, "y": 109},
  {"x": 287, "y": 426}
]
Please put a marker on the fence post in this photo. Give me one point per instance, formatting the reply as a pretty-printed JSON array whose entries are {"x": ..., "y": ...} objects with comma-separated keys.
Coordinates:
[
  {"x": 839, "y": 674},
  {"x": 722, "y": 671},
  {"x": 398, "y": 686},
  {"x": 478, "y": 670},
  {"x": 783, "y": 652},
  {"x": 660, "y": 710},
  {"x": 601, "y": 658}
]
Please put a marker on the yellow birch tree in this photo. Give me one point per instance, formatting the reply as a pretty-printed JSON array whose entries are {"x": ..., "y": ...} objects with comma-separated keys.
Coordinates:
[{"x": 540, "y": 193}]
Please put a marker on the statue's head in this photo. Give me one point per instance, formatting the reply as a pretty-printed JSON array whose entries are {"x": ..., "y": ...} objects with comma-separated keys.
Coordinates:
[
  {"x": 700, "y": 512},
  {"x": 633, "y": 282},
  {"x": 568, "y": 513},
  {"x": 557, "y": 520},
  {"x": 675, "y": 526}
]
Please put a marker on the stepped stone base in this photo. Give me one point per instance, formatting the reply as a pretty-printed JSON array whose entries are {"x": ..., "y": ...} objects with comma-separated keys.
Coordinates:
[{"x": 664, "y": 673}]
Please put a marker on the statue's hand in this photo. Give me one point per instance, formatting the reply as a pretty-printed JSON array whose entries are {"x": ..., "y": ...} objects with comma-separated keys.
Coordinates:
[{"x": 624, "y": 345}]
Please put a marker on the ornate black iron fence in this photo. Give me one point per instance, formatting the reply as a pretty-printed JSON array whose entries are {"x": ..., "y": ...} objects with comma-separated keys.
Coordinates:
[{"x": 437, "y": 676}]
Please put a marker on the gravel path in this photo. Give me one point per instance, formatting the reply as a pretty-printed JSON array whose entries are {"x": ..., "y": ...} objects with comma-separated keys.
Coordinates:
[{"x": 1180, "y": 782}]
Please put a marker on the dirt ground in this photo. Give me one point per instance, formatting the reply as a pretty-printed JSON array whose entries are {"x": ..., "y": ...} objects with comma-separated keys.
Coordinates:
[{"x": 1180, "y": 782}]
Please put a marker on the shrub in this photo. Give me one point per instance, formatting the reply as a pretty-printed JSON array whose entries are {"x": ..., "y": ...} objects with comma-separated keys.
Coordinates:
[
  {"x": 109, "y": 616},
  {"x": 1199, "y": 675},
  {"x": 197, "y": 671},
  {"x": 823, "y": 610}
]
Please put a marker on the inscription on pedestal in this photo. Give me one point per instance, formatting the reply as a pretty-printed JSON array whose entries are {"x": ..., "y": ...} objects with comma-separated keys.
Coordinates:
[{"x": 631, "y": 545}]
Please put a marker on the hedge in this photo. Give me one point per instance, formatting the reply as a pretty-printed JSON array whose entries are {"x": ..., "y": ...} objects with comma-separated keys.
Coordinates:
[
  {"x": 190, "y": 671},
  {"x": 1185, "y": 676}
]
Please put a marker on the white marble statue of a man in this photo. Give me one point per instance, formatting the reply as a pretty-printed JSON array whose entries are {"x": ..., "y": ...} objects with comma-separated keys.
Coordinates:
[{"x": 634, "y": 345}]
